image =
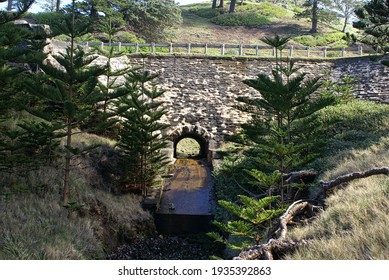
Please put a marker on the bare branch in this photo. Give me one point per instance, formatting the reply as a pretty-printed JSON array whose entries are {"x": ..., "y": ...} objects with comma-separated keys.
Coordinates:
[{"x": 352, "y": 176}]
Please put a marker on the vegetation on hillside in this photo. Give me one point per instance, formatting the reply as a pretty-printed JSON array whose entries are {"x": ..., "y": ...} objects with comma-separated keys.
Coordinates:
[
  {"x": 47, "y": 150},
  {"x": 339, "y": 233},
  {"x": 356, "y": 140},
  {"x": 63, "y": 188}
]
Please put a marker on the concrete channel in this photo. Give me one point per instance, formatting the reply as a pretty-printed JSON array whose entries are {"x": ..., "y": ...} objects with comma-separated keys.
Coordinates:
[{"x": 186, "y": 205}]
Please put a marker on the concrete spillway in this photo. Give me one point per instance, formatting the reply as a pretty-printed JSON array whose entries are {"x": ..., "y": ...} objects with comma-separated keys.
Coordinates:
[{"x": 186, "y": 205}]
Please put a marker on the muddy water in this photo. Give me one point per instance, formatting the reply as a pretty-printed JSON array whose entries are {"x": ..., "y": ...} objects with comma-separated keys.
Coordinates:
[{"x": 189, "y": 191}]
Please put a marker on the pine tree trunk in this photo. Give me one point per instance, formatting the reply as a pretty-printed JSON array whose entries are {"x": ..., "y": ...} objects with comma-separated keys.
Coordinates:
[
  {"x": 214, "y": 4},
  {"x": 68, "y": 158},
  {"x": 345, "y": 24},
  {"x": 221, "y": 5},
  {"x": 232, "y": 7},
  {"x": 68, "y": 155},
  {"x": 9, "y": 7},
  {"x": 314, "y": 17},
  {"x": 58, "y": 5}
]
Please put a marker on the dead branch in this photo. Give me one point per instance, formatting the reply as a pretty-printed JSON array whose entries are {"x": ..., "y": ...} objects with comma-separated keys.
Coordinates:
[
  {"x": 352, "y": 176},
  {"x": 273, "y": 249},
  {"x": 276, "y": 248},
  {"x": 295, "y": 209},
  {"x": 300, "y": 176}
]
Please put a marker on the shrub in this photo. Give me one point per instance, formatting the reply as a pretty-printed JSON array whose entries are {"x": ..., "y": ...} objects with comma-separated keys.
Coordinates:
[
  {"x": 207, "y": 12},
  {"x": 237, "y": 19},
  {"x": 50, "y": 19},
  {"x": 334, "y": 39},
  {"x": 127, "y": 37}
]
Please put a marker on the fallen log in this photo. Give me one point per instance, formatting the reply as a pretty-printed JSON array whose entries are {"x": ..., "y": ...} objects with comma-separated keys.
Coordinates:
[{"x": 352, "y": 176}]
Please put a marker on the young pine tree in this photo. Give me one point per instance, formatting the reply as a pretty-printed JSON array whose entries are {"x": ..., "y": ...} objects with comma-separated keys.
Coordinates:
[
  {"x": 141, "y": 140},
  {"x": 66, "y": 94},
  {"x": 103, "y": 116},
  {"x": 20, "y": 148},
  {"x": 252, "y": 214},
  {"x": 287, "y": 96}
]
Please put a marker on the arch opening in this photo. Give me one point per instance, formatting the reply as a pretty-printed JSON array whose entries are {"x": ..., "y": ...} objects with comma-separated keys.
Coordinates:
[{"x": 190, "y": 145}]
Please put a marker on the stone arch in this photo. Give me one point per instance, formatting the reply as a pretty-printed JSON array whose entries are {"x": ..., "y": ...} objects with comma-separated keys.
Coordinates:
[{"x": 197, "y": 133}]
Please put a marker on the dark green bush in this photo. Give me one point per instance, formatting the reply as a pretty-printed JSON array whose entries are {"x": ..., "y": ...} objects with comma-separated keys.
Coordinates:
[
  {"x": 127, "y": 37},
  {"x": 207, "y": 12},
  {"x": 51, "y": 19}
]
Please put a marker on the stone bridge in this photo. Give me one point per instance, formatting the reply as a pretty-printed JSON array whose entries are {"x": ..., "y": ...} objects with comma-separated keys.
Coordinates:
[{"x": 201, "y": 92}]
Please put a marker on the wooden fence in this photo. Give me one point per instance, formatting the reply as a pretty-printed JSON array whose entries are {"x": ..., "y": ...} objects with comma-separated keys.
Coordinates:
[{"x": 233, "y": 50}]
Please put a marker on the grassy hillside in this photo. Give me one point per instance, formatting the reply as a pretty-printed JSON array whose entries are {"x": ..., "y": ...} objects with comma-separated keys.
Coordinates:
[
  {"x": 353, "y": 226},
  {"x": 354, "y": 221},
  {"x": 251, "y": 22},
  {"x": 35, "y": 225}
]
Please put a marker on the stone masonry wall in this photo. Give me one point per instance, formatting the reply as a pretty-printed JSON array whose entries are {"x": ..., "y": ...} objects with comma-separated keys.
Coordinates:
[{"x": 202, "y": 91}]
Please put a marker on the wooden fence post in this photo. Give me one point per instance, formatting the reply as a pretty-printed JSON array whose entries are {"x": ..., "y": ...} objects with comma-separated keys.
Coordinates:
[
  {"x": 240, "y": 49},
  {"x": 291, "y": 51},
  {"x": 360, "y": 52}
]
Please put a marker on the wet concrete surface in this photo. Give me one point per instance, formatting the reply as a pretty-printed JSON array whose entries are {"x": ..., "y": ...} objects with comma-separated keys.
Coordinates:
[{"x": 189, "y": 191}]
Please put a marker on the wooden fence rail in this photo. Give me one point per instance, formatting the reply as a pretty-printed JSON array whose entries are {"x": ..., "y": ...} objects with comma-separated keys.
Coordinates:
[{"x": 231, "y": 49}]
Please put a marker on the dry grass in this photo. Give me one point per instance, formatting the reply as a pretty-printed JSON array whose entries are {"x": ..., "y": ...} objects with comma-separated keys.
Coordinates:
[
  {"x": 35, "y": 225},
  {"x": 354, "y": 226}
]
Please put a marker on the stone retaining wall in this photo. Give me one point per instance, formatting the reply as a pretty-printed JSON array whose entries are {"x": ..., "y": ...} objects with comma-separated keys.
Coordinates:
[{"x": 202, "y": 91}]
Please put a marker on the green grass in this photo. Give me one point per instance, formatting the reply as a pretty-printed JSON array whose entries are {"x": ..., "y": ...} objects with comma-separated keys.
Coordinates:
[
  {"x": 241, "y": 19},
  {"x": 333, "y": 39},
  {"x": 264, "y": 8},
  {"x": 188, "y": 146},
  {"x": 267, "y": 9}
]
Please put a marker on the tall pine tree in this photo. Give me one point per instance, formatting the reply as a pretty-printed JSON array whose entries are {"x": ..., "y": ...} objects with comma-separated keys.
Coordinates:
[
  {"x": 141, "y": 141},
  {"x": 66, "y": 93},
  {"x": 20, "y": 51}
]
